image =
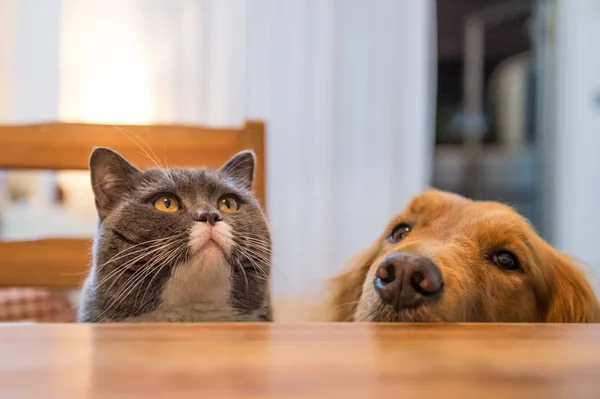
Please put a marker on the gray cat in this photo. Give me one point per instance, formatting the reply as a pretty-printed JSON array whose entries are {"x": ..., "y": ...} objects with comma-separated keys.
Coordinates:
[{"x": 177, "y": 245}]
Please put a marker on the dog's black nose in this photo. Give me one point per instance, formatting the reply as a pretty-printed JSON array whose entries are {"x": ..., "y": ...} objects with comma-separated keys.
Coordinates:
[
  {"x": 406, "y": 280},
  {"x": 209, "y": 217}
]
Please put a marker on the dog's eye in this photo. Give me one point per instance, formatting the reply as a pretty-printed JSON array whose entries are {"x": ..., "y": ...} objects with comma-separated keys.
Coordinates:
[
  {"x": 399, "y": 232},
  {"x": 505, "y": 260}
]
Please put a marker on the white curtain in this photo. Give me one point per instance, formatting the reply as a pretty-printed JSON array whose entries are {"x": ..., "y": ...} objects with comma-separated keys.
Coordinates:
[
  {"x": 346, "y": 88},
  {"x": 8, "y": 13},
  {"x": 29, "y": 84},
  {"x": 576, "y": 140}
]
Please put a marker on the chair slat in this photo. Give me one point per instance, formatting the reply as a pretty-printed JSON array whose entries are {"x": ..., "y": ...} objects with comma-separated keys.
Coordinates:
[{"x": 52, "y": 263}]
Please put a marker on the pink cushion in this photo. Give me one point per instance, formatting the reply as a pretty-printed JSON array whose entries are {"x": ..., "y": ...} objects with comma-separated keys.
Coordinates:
[{"x": 33, "y": 304}]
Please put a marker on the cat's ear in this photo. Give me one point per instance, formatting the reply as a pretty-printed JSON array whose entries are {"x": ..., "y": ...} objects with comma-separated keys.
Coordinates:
[
  {"x": 241, "y": 167},
  {"x": 112, "y": 178}
]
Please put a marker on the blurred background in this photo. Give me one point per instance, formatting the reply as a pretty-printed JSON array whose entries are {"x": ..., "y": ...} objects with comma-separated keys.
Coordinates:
[{"x": 366, "y": 103}]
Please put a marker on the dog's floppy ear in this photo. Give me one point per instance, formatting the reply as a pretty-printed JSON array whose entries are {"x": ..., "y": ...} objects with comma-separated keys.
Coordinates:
[
  {"x": 345, "y": 289},
  {"x": 571, "y": 297}
]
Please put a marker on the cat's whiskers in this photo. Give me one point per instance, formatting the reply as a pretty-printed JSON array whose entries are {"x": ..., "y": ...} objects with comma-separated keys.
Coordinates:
[
  {"x": 173, "y": 259},
  {"x": 257, "y": 256},
  {"x": 129, "y": 282},
  {"x": 154, "y": 158},
  {"x": 119, "y": 270},
  {"x": 253, "y": 258},
  {"x": 257, "y": 248},
  {"x": 262, "y": 252},
  {"x": 263, "y": 246},
  {"x": 249, "y": 234},
  {"x": 125, "y": 252},
  {"x": 158, "y": 256},
  {"x": 155, "y": 247},
  {"x": 124, "y": 267},
  {"x": 237, "y": 264},
  {"x": 261, "y": 243},
  {"x": 127, "y": 133},
  {"x": 153, "y": 270},
  {"x": 143, "y": 272},
  {"x": 134, "y": 281}
]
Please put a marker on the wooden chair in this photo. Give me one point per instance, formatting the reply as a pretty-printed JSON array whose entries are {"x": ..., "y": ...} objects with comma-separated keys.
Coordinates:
[{"x": 63, "y": 263}]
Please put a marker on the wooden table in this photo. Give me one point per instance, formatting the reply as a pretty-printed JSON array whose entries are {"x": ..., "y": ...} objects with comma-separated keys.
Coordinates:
[{"x": 300, "y": 361}]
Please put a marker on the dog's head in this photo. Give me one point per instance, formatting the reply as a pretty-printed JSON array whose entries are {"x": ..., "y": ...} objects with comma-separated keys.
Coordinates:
[{"x": 450, "y": 259}]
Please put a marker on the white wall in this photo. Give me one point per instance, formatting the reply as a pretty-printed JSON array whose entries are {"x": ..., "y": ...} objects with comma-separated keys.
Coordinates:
[
  {"x": 36, "y": 53},
  {"x": 577, "y": 146},
  {"x": 29, "y": 39},
  {"x": 29, "y": 85}
]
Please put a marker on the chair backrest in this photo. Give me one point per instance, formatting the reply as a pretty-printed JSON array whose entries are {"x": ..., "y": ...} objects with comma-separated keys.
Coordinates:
[{"x": 63, "y": 263}]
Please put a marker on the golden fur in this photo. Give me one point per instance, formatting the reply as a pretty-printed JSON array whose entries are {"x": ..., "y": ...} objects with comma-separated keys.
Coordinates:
[{"x": 458, "y": 234}]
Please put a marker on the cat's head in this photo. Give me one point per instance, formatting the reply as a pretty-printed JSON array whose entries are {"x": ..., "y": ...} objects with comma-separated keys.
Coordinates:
[{"x": 173, "y": 236}]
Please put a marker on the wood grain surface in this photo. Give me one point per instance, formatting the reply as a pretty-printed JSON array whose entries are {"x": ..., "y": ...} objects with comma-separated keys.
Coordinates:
[{"x": 300, "y": 361}]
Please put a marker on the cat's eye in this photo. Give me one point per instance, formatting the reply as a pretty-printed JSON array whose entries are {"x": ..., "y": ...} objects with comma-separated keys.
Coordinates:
[
  {"x": 228, "y": 203},
  {"x": 399, "y": 232},
  {"x": 166, "y": 203}
]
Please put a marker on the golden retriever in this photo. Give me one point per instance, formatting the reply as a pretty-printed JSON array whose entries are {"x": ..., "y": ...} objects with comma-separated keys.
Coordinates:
[{"x": 450, "y": 259}]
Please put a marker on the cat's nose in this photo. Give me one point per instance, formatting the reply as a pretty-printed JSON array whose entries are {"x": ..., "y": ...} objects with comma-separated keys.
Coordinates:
[{"x": 210, "y": 217}]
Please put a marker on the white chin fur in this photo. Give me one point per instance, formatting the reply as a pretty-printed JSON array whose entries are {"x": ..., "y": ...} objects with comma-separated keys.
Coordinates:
[
  {"x": 206, "y": 276},
  {"x": 202, "y": 234},
  {"x": 199, "y": 289}
]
